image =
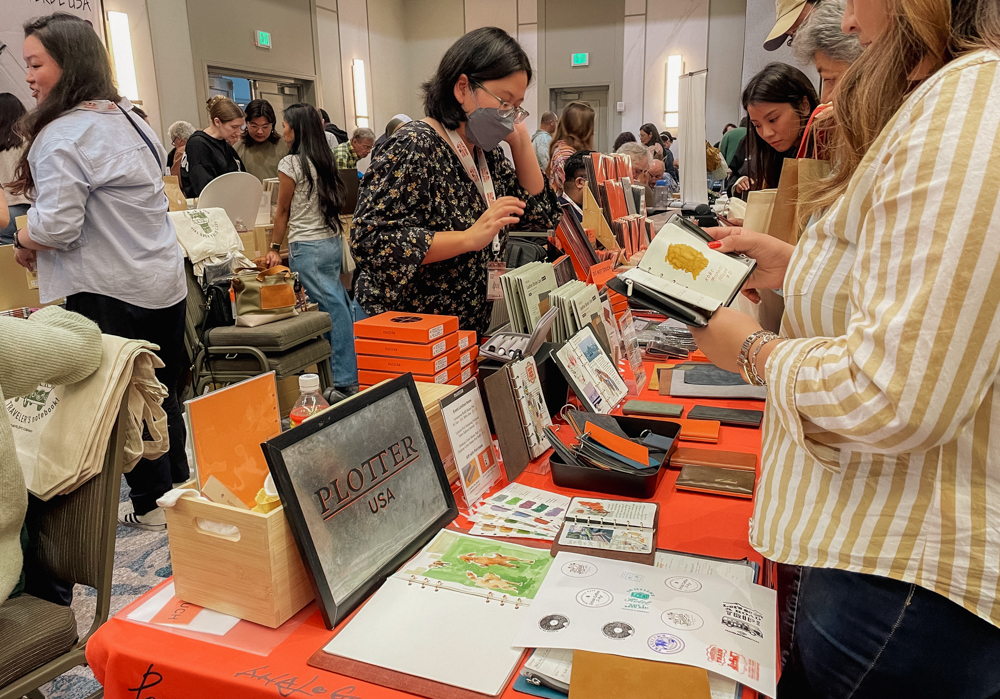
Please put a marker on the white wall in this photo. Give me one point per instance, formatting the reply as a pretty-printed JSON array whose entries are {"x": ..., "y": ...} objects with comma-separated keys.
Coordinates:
[
  {"x": 491, "y": 13},
  {"x": 390, "y": 74},
  {"x": 759, "y": 21},
  {"x": 431, "y": 27},
  {"x": 170, "y": 43},
  {"x": 353, "y": 16},
  {"x": 672, "y": 27},
  {"x": 330, "y": 66},
  {"x": 726, "y": 22},
  {"x": 142, "y": 56}
]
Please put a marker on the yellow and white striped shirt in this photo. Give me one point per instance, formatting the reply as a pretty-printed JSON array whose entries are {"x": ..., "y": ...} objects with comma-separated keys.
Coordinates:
[{"x": 882, "y": 441}]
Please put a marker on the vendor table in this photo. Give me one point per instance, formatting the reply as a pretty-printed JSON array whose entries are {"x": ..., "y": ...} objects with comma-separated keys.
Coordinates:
[{"x": 138, "y": 661}]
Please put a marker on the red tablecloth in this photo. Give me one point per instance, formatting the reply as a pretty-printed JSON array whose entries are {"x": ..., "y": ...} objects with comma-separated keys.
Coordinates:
[{"x": 137, "y": 661}]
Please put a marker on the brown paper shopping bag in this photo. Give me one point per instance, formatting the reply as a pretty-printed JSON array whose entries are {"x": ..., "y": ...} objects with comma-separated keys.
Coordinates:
[{"x": 174, "y": 194}]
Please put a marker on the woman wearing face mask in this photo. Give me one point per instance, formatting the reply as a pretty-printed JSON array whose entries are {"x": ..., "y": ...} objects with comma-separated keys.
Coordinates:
[
  {"x": 880, "y": 468},
  {"x": 436, "y": 202},
  {"x": 779, "y": 100},
  {"x": 209, "y": 153},
  {"x": 98, "y": 229}
]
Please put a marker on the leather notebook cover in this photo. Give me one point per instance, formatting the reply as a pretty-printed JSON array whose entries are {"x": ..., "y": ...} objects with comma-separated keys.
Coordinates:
[
  {"x": 699, "y": 430},
  {"x": 709, "y": 381},
  {"x": 600, "y": 676},
  {"x": 692, "y": 456},
  {"x": 507, "y": 423},
  {"x": 632, "y": 557},
  {"x": 648, "y": 407},
  {"x": 727, "y": 416},
  {"x": 389, "y": 678},
  {"x": 719, "y": 481},
  {"x": 621, "y": 446}
]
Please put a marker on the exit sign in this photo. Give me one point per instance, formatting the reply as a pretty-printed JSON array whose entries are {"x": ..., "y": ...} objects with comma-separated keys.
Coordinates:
[
  {"x": 262, "y": 39},
  {"x": 580, "y": 59}
]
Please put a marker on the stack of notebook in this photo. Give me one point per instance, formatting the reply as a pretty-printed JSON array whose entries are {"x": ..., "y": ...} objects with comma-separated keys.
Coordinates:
[
  {"x": 524, "y": 290},
  {"x": 578, "y": 304}
]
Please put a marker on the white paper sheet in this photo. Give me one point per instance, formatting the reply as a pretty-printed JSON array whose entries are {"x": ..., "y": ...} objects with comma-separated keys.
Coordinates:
[
  {"x": 444, "y": 636},
  {"x": 205, "y": 621},
  {"x": 638, "y": 611}
]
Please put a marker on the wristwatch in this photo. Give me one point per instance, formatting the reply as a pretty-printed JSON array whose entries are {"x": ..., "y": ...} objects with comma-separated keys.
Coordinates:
[
  {"x": 17, "y": 241},
  {"x": 276, "y": 247}
]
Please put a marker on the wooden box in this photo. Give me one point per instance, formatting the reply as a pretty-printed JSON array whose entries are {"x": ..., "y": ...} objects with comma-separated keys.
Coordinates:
[{"x": 257, "y": 574}]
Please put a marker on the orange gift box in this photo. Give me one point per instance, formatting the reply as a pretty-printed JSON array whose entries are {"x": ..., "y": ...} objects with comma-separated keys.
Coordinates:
[
  {"x": 425, "y": 367},
  {"x": 452, "y": 374},
  {"x": 466, "y": 339},
  {"x": 407, "y": 350},
  {"x": 468, "y": 357},
  {"x": 406, "y": 327}
]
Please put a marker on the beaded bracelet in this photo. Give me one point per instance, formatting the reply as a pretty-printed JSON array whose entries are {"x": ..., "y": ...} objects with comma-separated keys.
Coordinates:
[
  {"x": 758, "y": 380},
  {"x": 743, "y": 360}
]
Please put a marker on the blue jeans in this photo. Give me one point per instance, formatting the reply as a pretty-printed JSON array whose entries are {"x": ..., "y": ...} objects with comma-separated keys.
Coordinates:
[
  {"x": 318, "y": 264},
  {"x": 867, "y": 637},
  {"x": 7, "y": 233}
]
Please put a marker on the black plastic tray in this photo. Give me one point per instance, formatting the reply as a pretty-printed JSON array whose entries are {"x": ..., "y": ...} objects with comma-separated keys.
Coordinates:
[{"x": 626, "y": 485}]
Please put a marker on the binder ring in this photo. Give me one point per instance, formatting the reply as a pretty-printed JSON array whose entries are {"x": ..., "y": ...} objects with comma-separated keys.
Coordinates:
[
  {"x": 489, "y": 596},
  {"x": 413, "y": 579},
  {"x": 503, "y": 599},
  {"x": 517, "y": 605}
]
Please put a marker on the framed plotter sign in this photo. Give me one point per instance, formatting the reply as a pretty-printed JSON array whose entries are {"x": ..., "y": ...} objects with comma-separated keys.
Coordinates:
[{"x": 363, "y": 489}]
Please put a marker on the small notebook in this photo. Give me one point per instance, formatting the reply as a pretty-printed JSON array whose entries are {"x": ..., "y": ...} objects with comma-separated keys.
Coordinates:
[
  {"x": 709, "y": 381},
  {"x": 621, "y": 529}
]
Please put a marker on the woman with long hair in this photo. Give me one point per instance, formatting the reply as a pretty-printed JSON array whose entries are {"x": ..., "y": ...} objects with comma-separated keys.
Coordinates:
[
  {"x": 11, "y": 150},
  {"x": 435, "y": 205},
  {"x": 310, "y": 195},
  {"x": 778, "y": 100},
  {"x": 649, "y": 136},
  {"x": 209, "y": 153},
  {"x": 575, "y": 131},
  {"x": 880, "y": 467},
  {"x": 260, "y": 147},
  {"x": 99, "y": 229}
]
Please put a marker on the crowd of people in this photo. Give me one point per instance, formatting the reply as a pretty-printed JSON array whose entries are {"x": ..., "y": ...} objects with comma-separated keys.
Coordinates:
[{"x": 879, "y": 504}]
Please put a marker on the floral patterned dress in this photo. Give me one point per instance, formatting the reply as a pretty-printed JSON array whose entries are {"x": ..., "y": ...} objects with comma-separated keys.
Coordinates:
[{"x": 416, "y": 186}]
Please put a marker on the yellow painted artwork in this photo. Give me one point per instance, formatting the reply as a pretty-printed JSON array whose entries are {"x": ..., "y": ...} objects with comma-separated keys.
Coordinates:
[{"x": 686, "y": 259}]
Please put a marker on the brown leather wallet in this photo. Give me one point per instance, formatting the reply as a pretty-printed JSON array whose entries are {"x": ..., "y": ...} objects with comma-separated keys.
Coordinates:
[
  {"x": 717, "y": 481},
  {"x": 692, "y": 456}
]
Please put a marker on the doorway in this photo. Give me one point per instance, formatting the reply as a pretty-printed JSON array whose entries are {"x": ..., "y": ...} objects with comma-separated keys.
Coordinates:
[
  {"x": 241, "y": 88},
  {"x": 596, "y": 98}
]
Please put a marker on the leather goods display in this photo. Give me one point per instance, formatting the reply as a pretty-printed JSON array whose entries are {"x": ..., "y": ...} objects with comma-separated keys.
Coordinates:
[
  {"x": 692, "y": 456},
  {"x": 264, "y": 296},
  {"x": 648, "y": 407},
  {"x": 698, "y": 430},
  {"x": 519, "y": 412},
  {"x": 727, "y": 416},
  {"x": 719, "y": 481}
]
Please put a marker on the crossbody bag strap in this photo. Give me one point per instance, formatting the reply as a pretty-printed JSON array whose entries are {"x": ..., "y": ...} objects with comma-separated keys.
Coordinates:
[{"x": 149, "y": 144}]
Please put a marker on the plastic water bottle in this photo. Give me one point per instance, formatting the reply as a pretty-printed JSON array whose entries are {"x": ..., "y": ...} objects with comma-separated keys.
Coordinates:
[
  {"x": 661, "y": 195},
  {"x": 310, "y": 399}
]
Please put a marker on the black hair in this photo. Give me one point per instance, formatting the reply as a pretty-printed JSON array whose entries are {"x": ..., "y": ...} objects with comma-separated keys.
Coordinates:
[
  {"x": 665, "y": 135},
  {"x": 254, "y": 110},
  {"x": 326, "y": 116},
  {"x": 782, "y": 84},
  {"x": 86, "y": 75},
  {"x": 623, "y": 138},
  {"x": 483, "y": 54},
  {"x": 311, "y": 147},
  {"x": 11, "y": 112},
  {"x": 140, "y": 112},
  {"x": 654, "y": 134},
  {"x": 575, "y": 163}
]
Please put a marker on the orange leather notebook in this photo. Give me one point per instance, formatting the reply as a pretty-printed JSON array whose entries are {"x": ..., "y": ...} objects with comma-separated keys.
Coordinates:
[
  {"x": 408, "y": 350},
  {"x": 699, "y": 430},
  {"x": 406, "y": 327},
  {"x": 227, "y": 428},
  {"x": 619, "y": 445}
]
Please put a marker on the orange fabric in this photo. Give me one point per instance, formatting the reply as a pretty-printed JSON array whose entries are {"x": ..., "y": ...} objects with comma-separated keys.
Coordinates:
[{"x": 126, "y": 656}]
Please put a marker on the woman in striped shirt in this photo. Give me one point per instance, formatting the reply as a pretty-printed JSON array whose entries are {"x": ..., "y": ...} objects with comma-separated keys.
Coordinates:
[{"x": 880, "y": 470}]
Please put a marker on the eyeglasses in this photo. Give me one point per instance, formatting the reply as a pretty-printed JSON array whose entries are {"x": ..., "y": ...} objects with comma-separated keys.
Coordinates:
[{"x": 506, "y": 108}]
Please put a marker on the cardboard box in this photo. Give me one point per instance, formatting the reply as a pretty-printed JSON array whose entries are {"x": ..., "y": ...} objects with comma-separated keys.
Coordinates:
[
  {"x": 406, "y": 350},
  {"x": 417, "y": 367},
  {"x": 257, "y": 575},
  {"x": 406, "y": 327},
  {"x": 466, "y": 339}
]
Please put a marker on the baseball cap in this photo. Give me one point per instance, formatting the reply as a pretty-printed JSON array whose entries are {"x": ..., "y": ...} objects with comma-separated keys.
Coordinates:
[{"x": 787, "y": 12}]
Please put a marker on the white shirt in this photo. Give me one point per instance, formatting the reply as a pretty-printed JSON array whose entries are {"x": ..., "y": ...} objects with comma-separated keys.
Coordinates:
[
  {"x": 100, "y": 204},
  {"x": 305, "y": 220}
]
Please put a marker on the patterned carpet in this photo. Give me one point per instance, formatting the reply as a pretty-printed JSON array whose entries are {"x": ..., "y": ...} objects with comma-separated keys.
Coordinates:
[{"x": 142, "y": 561}]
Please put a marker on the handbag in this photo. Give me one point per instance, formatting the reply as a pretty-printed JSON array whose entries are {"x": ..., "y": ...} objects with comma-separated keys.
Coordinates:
[
  {"x": 218, "y": 306},
  {"x": 264, "y": 296}
]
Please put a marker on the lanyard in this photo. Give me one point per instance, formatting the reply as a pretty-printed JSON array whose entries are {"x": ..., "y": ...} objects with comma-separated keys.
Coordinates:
[{"x": 481, "y": 176}]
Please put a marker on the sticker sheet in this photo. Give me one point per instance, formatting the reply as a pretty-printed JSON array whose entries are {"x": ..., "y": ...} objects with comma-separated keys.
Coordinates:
[{"x": 608, "y": 606}]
